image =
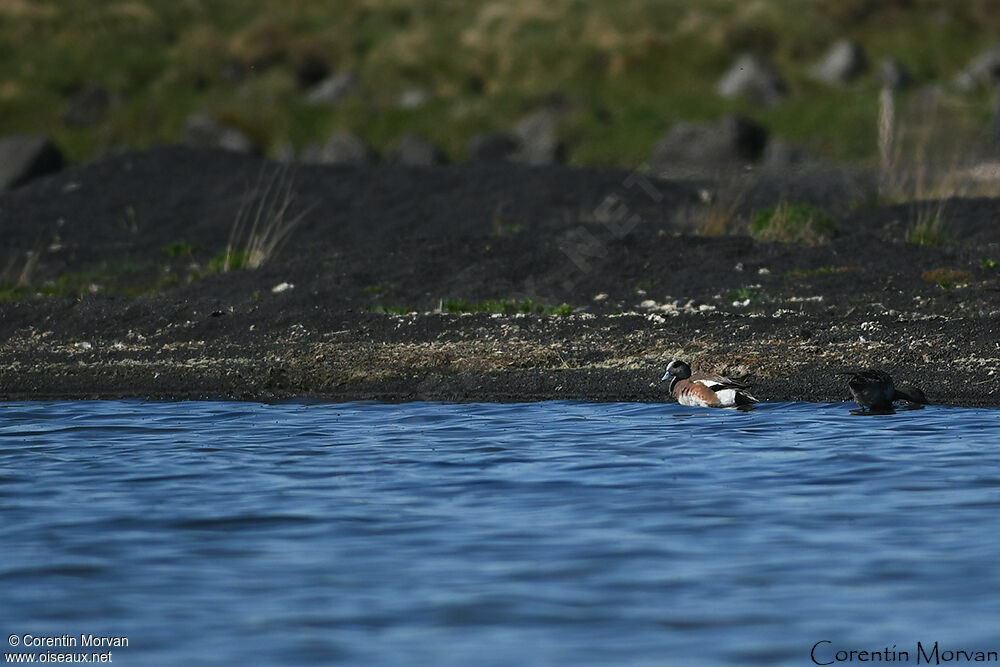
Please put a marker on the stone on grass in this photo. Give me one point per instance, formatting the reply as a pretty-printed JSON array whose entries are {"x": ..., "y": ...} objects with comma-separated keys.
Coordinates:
[
  {"x": 983, "y": 70},
  {"x": 340, "y": 148},
  {"x": 88, "y": 106},
  {"x": 753, "y": 78},
  {"x": 539, "y": 138},
  {"x": 844, "y": 61},
  {"x": 494, "y": 146},
  {"x": 332, "y": 90},
  {"x": 202, "y": 130},
  {"x": 25, "y": 157},
  {"x": 692, "y": 148},
  {"x": 893, "y": 75}
]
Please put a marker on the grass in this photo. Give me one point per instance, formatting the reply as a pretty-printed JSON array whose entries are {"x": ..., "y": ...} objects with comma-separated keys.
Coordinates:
[
  {"x": 988, "y": 263},
  {"x": 262, "y": 223},
  {"x": 506, "y": 306},
  {"x": 927, "y": 226},
  {"x": 179, "y": 249},
  {"x": 616, "y": 66},
  {"x": 819, "y": 271},
  {"x": 793, "y": 223}
]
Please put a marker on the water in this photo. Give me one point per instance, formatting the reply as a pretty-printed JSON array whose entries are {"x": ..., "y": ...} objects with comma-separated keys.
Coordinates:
[{"x": 546, "y": 533}]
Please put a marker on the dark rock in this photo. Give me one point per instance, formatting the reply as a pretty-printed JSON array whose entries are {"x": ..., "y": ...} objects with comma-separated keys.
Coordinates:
[
  {"x": 495, "y": 146},
  {"x": 88, "y": 106},
  {"x": 753, "y": 78},
  {"x": 844, "y": 61},
  {"x": 332, "y": 90},
  {"x": 690, "y": 148},
  {"x": 202, "y": 130},
  {"x": 416, "y": 152},
  {"x": 311, "y": 71},
  {"x": 339, "y": 148},
  {"x": 893, "y": 75},
  {"x": 25, "y": 157}
]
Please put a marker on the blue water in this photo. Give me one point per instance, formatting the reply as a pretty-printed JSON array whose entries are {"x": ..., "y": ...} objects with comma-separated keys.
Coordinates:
[{"x": 488, "y": 534}]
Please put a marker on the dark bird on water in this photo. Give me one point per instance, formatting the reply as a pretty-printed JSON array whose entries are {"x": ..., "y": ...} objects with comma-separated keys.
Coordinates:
[{"x": 875, "y": 392}]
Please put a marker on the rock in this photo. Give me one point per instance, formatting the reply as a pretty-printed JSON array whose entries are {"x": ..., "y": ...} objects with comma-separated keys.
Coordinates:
[
  {"x": 339, "y": 148},
  {"x": 413, "y": 98},
  {"x": 538, "y": 137},
  {"x": 25, "y": 157},
  {"x": 533, "y": 141},
  {"x": 88, "y": 106},
  {"x": 893, "y": 75},
  {"x": 754, "y": 78},
  {"x": 699, "y": 147},
  {"x": 416, "y": 152},
  {"x": 202, "y": 130},
  {"x": 983, "y": 70},
  {"x": 844, "y": 61},
  {"x": 332, "y": 90},
  {"x": 495, "y": 146}
]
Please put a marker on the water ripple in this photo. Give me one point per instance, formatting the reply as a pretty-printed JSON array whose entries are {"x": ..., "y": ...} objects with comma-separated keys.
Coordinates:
[{"x": 554, "y": 533}]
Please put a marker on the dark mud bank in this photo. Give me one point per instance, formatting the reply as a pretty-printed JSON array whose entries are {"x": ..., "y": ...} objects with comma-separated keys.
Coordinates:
[{"x": 131, "y": 241}]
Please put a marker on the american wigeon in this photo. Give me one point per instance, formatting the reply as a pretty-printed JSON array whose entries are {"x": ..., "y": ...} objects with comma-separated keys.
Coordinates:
[
  {"x": 875, "y": 392},
  {"x": 706, "y": 390}
]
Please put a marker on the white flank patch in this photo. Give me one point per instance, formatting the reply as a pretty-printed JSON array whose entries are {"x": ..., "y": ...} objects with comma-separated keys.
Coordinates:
[
  {"x": 727, "y": 397},
  {"x": 692, "y": 401}
]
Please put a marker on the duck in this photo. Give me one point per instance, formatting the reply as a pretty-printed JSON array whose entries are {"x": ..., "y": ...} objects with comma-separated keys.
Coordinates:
[
  {"x": 706, "y": 390},
  {"x": 875, "y": 392}
]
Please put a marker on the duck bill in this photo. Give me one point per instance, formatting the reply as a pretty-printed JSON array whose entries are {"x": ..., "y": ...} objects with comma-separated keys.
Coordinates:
[{"x": 665, "y": 377}]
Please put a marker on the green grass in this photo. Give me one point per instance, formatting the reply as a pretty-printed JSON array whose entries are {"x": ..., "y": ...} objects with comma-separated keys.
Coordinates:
[
  {"x": 988, "y": 263},
  {"x": 178, "y": 249},
  {"x": 793, "y": 223},
  {"x": 625, "y": 70},
  {"x": 927, "y": 229}
]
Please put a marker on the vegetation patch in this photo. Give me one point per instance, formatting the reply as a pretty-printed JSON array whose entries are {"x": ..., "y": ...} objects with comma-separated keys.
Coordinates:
[
  {"x": 178, "y": 249},
  {"x": 820, "y": 271},
  {"x": 947, "y": 277},
  {"x": 793, "y": 223},
  {"x": 927, "y": 229}
]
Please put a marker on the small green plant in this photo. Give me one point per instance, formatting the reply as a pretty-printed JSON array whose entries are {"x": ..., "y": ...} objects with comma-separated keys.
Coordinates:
[
  {"x": 988, "y": 263},
  {"x": 178, "y": 249},
  {"x": 744, "y": 294},
  {"x": 947, "y": 278},
  {"x": 793, "y": 223},
  {"x": 228, "y": 260},
  {"x": 927, "y": 227}
]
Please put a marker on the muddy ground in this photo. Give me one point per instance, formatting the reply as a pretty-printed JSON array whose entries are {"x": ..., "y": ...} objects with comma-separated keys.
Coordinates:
[{"x": 119, "y": 296}]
